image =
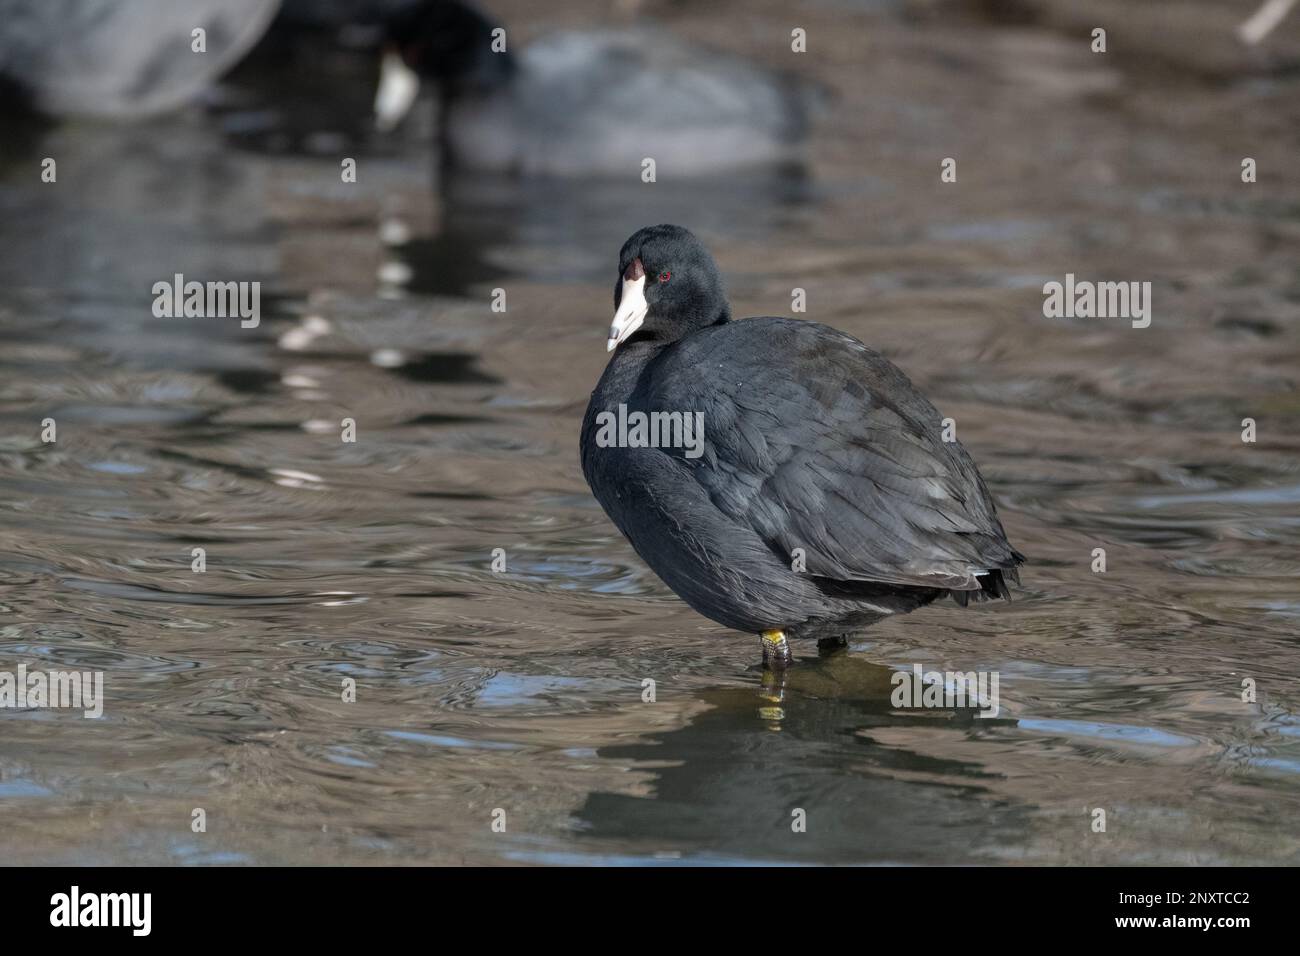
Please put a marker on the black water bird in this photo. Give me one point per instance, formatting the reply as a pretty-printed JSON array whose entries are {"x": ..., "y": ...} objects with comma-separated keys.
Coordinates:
[
  {"x": 585, "y": 103},
  {"x": 823, "y": 495},
  {"x": 123, "y": 59}
]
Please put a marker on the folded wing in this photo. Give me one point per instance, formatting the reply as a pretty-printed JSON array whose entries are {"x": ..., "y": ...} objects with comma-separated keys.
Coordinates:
[{"x": 833, "y": 451}]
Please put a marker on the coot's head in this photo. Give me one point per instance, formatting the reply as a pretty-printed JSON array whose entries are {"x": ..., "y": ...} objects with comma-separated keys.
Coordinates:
[
  {"x": 668, "y": 286},
  {"x": 447, "y": 42}
]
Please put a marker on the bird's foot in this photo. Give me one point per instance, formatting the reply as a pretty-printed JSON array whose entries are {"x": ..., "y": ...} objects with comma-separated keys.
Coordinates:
[
  {"x": 776, "y": 650},
  {"x": 776, "y": 659}
]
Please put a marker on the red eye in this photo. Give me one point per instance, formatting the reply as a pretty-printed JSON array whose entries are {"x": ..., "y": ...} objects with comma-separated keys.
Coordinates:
[{"x": 665, "y": 276}]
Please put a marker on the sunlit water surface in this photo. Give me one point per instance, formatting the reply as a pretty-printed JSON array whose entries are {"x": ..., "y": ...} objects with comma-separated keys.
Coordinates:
[{"x": 523, "y": 691}]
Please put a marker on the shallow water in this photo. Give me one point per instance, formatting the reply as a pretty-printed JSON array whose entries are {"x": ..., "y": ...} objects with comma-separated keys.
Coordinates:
[{"x": 522, "y": 691}]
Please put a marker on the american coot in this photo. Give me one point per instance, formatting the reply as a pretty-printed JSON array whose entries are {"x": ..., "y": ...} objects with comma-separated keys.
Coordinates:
[
  {"x": 822, "y": 497},
  {"x": 123, "y": 58},
  {"x": 588, "y": 102}
]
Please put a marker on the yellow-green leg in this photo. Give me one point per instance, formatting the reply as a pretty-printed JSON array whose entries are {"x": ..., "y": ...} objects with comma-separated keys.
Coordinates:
[{"x": 776, "y": 650}]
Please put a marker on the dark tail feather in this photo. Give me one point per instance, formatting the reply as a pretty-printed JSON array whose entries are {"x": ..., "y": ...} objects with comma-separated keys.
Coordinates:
[{"x": 992, "y": 584}]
